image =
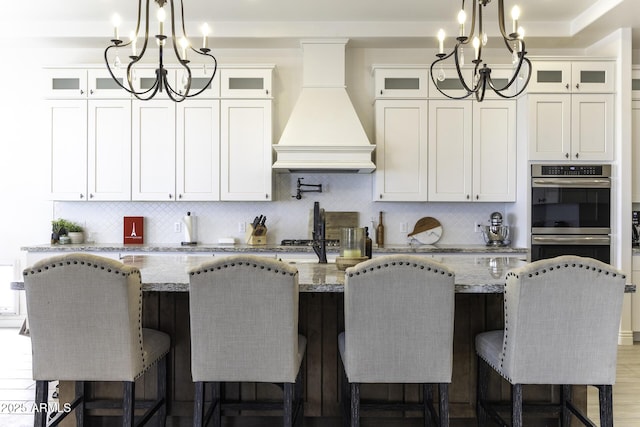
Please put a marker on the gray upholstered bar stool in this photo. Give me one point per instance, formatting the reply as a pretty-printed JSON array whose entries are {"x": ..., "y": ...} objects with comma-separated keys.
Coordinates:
[
  {"x": 562, "y": 317},
  {"x": 85, "y": 320},
  {"x": 399, "y": 313},
  {"x": 244, "y": 328}
]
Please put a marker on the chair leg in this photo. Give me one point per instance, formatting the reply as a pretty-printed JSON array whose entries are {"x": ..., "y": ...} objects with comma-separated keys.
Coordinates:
[
  {"x": 606, "y": 405},
  {"x": 482, "y": 391},
  {"x": 216, "y": 399},
  {"x": 566, "y": 399},
  {"x": 443, "y": 391},
  {"x": 298, "y": 401},
  {"x": 161, "y": 385},
  {"x": 80, "y": 393},
  {"x": 355, "y": 404},
  {"x": 127, "y": 404},
  {"x": 198, "y": 404},
  {"x": 427, "y": 401},
  {"x": 288, "y": 404},
  {"x": 516, "y": 405},
  {"x": 42, "y": 392}
]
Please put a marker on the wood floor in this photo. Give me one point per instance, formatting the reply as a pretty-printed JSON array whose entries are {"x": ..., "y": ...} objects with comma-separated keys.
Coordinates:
[{"x": 17, "y": 388}]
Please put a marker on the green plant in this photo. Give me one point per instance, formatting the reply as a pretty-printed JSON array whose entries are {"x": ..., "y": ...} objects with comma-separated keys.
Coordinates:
[{"x": 62, "y": 226}]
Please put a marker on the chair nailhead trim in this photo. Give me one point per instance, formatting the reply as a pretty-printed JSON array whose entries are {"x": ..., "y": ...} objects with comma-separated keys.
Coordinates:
[{"x": 249, "y": 264}]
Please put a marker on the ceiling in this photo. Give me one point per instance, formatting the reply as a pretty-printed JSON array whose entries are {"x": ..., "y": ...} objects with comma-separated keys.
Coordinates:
[{"x": 572, "y": 24}]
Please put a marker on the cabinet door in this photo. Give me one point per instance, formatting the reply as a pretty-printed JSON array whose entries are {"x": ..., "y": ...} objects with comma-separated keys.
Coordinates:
[
  {"x": 245, "y": 150},
  {"x": 198, "y": 150},
  {"x": 245, "y": 83},
  {"x": 401, "y": 151},
  {"x": 494, "y": 151},
  {"x": 102, "y": 85},
  {"x": 549, "y": 127},
  {"x": 65, "y": 83},
  {"x": 153, "y": 150},
  {"x": 109, "y": 150},
  {"x": 450, "y": 150},
  {"x": 635, "y": 148},
  {"x": 401, "y": 83},
  {"x": 593, "y": 76},
  {"x": 592, "y": 127},
  {"x": 67, "y": 123},
  {"x": 550, "y": 76}
]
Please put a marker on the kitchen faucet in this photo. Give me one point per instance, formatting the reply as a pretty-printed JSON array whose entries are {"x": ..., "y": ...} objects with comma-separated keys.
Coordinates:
[{"x": 319, "y": 242}]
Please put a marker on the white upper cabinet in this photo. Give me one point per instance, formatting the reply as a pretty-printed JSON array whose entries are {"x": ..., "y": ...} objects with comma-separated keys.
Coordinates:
[
  {"x": 154, "y": 150},
  {"x": 572, "y": 77},
  {"x": 450, "y": 150},
  {"x": 246, "y": 82},
  {"x": 65, "y": 83},
  {"x": 401, "y": 150},
  {"x": 109, "y": 150},
  {"x": 102, "y": 85},
  {"x": 245, "y": 149},
  {"x": 578, "y": 127},
  {"x": 67, "y": 125},
  {"x": 199, "y": 80},
  {"x": 472, "y": 151},
  {"x": 198, "y": 150},
  {"x": 401, "y": 82}
]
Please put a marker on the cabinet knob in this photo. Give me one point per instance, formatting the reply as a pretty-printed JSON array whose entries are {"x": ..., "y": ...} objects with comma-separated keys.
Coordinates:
[
  {"x": 567, "y": 86},
  {"x": 577, "y": 155},
  {"x": 468, "y": 197},
  {"x": 91, "y": 195},
  {"x": 380, "y": 91},
  {"x": 180, "y": 196},
  {"x": 81, "y": 92},
  {"x": 266, "y": 196},
  {"x": 477, "y": 197},
  {"x": 91, "y": 92},
  {"x": 267, "y": 91},
  {"x": 577, "y": 85},
  {"x": 566, "y": 155},
  {"x": 170, "y": 196},
  {"x": 380, "y": 196},
  {"x": 81, "y": 196}
]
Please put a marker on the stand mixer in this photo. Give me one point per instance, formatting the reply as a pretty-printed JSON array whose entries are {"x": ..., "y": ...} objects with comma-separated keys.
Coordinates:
[{"x": 495, "y": 234}]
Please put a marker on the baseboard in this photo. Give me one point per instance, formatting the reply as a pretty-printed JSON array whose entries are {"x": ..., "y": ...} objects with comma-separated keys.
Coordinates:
[{"x": 625, "y": 338}]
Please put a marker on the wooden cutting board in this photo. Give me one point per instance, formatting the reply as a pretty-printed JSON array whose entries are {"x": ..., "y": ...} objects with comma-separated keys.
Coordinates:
[{"x": 334, "y": 221}]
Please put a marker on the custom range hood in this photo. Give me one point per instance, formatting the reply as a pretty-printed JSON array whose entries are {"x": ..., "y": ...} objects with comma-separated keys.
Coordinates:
[{"x": 324, "y": 133}]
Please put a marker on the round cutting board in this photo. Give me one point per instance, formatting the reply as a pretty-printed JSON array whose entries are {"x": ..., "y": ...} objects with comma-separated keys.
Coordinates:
[{"x": 427, "y": 231}]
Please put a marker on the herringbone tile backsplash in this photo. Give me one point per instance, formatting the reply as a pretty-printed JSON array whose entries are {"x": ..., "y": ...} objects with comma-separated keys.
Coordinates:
[{"x": 287, "y": 218}]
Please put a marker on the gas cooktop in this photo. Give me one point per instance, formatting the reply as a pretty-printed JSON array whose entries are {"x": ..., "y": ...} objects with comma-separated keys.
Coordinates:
[{"x": 306, "y": 242}]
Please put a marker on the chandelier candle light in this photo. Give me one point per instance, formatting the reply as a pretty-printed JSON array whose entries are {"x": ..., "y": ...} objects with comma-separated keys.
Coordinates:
[
  {"x": 180, "y": 47},
  {"x": 514, "y": 42}
]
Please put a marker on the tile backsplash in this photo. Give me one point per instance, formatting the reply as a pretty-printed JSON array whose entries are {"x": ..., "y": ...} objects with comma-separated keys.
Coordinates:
[{"x": 287, "y": 218}]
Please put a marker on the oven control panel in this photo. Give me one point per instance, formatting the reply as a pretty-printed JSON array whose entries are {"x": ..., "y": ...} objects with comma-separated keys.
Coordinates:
[{"x": 571, "y": 170}]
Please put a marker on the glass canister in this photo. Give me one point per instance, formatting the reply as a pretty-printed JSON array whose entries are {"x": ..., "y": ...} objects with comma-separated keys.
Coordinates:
[{"x": 352, "y": 242}]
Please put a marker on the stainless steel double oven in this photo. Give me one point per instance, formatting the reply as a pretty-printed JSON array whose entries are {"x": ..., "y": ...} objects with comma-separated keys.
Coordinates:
[{"x": 571, "y": 211}]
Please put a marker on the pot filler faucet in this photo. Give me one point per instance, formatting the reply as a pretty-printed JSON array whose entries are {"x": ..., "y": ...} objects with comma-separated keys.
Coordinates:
[{"x": 319, "y": 242}]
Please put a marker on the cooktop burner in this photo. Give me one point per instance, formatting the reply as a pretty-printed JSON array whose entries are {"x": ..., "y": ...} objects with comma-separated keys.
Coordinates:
[{"x": 306, "y": 242}]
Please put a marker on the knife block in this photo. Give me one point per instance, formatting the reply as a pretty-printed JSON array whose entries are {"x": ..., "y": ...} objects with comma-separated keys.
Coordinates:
[{"x": 256, "y": 236}]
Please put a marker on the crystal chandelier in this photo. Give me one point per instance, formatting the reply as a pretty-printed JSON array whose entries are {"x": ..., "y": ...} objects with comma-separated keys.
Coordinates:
[
  {"x": 179, "y": 91},
  {"x": 481, "y": 72}
]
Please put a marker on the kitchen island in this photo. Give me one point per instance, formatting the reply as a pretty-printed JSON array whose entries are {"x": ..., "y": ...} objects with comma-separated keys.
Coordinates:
[{"x": 479, "y": 287}]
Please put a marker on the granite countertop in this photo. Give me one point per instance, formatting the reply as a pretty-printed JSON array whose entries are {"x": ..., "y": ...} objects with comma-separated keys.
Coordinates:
[
  {"x": 169, "y": 273},
  {"x": 271, "y": 248}
]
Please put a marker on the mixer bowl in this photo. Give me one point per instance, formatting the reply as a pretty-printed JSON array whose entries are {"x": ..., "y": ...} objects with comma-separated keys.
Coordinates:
[{"x": 495, "y": 235}]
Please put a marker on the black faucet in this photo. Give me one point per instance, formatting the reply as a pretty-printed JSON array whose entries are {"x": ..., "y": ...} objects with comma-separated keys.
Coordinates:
[{"x": 319, "y": 242}]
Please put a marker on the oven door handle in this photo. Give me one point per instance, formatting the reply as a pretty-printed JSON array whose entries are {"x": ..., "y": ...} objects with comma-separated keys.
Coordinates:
[
  {"x": 571, "y": 240},
  {"x": 572, "y": 183}
]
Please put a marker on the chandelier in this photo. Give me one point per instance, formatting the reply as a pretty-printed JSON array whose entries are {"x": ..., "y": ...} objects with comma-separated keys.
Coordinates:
[
  {"x": 481, "y": 72},
  {"x": 179, "y": 91}
]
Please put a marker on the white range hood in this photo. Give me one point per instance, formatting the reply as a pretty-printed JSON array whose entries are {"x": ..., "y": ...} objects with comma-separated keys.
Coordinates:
[{"x": 324, "y": 132}]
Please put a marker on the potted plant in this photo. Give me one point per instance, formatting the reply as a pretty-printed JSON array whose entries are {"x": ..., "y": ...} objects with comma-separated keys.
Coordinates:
[{"x": 63, "y": 227}]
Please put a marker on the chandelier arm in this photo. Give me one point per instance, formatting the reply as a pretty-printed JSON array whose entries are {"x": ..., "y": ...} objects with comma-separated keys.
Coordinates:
[
  {"x": 215, "y": 68},
  {"x": 436, "y": 84},
  {"x": 459, "y": 71},
  {"x": 172, "y": 94}
]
